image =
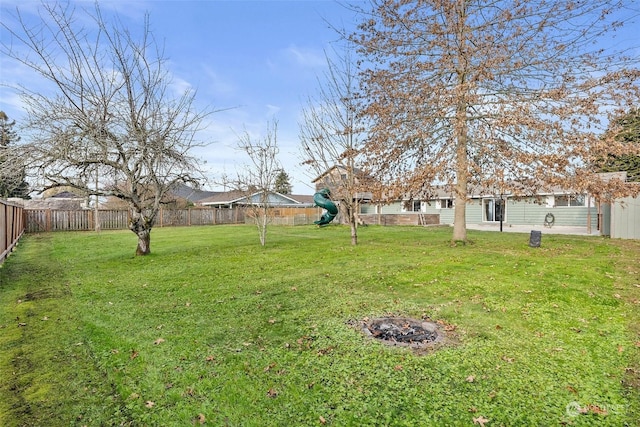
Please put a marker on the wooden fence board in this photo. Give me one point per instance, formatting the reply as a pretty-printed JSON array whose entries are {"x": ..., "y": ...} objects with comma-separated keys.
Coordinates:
[
  {"x": 45, "y": 220},
  {"x": 11, "y": 227}
]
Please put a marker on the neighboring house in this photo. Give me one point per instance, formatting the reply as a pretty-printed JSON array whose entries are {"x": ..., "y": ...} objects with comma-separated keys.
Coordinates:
[
  {"x": 65, "y": 200},
  {"x": 229, "y": 199},
  {"x": 183, "y": 191},
  {"x": 336, "y": 177},
  {"x": 556, "y": 207},
  {"x": 483, "y": 208}
]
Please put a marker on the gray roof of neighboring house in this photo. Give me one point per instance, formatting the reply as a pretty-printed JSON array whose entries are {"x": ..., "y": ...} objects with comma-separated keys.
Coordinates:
[
  {"x": 357, "y": 171},
  {"x": 183, "y": 191},
  {"x": 236, "y": 196}
]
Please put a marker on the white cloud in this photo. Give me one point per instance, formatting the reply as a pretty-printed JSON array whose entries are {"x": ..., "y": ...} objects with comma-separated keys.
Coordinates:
[
  {"x": 217, "y": 83},
  {"x": 272, "y": 110},
  {"x": 305, "y": 57},
  {"x": 180, "y": 86}
]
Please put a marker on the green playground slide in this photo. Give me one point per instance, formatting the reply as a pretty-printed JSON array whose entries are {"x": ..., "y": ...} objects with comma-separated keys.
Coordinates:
[{"x": 321, "y": 198}]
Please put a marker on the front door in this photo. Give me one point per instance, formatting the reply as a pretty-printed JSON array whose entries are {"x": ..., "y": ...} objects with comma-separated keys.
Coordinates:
[{"x": 494, "y": 210}]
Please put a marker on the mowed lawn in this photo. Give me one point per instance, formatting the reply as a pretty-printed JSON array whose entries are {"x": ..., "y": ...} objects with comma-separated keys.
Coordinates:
[{"x": 213, "y": 329}]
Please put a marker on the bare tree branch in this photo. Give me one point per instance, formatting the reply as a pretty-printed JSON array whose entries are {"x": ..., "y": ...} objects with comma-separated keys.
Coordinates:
[
  {"x": 332, "y": 136},
  {"x": 112, "y": 113},
  {"x": 258, "y": 179},
  {"x": 476, "y": 94}
]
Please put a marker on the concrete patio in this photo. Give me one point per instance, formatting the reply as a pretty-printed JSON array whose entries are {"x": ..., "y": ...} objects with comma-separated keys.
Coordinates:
[{"x": 508, "y": 228}]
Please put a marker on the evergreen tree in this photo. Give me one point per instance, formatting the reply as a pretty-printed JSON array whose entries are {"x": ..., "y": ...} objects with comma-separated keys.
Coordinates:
[
  {"x": 12, "y": 173},
  {"x": 627, "y": 130},
  {"x": 282, "y": 184}
]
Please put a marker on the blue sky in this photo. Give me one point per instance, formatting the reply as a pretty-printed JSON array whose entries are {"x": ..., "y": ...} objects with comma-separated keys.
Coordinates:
[{"x": 257, "y": 60}]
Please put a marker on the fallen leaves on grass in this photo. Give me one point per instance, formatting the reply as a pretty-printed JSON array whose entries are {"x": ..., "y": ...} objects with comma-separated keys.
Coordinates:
[
  {"x": 149, "y": 404},
  {"x": 201, "y": 419},
  {"x": 158, "y": 341},
  {"x": 272, "y": 393},
  {"x": 446, "y": 325},
  {"x": 322, "y": 420},
  {"x": 480, "y": 421},
  {"x": 594, "y": 409},
  {"x": 324, "y": 351}
]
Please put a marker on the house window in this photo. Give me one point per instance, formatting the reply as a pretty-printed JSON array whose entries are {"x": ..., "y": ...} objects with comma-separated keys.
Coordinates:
[
  {"x": 446, "y": 203},
  {"x": 566, "y": 200},
  {"x": 494, "y": 210},
  {"x": 416, "y": 206}
]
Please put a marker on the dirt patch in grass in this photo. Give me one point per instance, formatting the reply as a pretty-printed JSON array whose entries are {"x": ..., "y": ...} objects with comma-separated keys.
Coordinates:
[{"x": 46, "y": 293}]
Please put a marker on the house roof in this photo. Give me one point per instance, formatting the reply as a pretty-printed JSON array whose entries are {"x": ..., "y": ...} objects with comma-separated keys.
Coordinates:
[
  {"x": 222, "y": 197},
  {"x": 357, "y": 171},
  {"x": 66, "y": 195},
  {"x": 240, "y": 197},
  {"x": 184, "y": 191}
]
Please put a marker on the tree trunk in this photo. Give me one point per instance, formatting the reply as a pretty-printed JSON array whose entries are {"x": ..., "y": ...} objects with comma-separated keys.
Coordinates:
[
  {"x": 462, "y": 169},
  {"x": 144, "y": 242},
  {"x": 460, "y": 212},
  {"x": 141, "y": 226},
  {"x": 353, "y": 223},
  {"x": 262, "y": 226}
]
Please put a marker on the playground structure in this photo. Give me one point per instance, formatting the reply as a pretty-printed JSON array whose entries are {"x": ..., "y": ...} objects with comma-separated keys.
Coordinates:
[{"x": 321, "y": 198}]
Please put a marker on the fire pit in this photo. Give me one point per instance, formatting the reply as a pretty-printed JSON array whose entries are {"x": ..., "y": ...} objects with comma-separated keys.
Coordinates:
[{"x": 404, "y": 332}]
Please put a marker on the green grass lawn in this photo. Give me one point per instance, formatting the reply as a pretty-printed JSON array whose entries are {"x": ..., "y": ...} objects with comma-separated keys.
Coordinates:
[{"x": 213, "y": 329}]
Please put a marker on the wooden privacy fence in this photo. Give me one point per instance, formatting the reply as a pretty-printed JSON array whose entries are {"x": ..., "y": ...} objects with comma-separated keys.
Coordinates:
[
  {"x": 44, "y": 220},
  {"x": 11, "y": 227}
]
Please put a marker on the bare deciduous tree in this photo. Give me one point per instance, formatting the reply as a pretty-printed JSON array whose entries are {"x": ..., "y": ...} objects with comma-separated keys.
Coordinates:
[
  {"x": 331, "y": 136},
  {"x": 113, "y": 111},
  {"x": 259, "y": 178},
  {"x": 474, "y": 94}
]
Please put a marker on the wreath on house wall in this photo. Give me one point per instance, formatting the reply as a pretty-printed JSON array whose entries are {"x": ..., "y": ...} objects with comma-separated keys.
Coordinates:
[{"x": 549, "y": 219}]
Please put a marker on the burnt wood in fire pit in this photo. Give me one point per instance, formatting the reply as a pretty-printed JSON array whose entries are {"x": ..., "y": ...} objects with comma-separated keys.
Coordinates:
[{"x": 402, "y": 331}]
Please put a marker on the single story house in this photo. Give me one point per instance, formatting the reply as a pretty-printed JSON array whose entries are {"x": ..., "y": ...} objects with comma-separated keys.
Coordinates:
[
  {"x": 337, "y": 177},
  {"x": 559, "y": 208},
  {"x": 230, "y": 199}
]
